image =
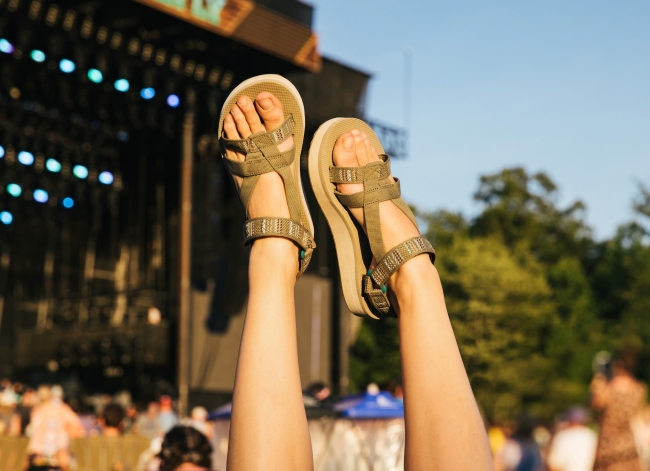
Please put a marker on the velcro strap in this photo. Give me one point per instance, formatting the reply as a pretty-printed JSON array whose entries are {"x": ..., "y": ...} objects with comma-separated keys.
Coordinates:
[
  {"x": 262, "y": 139},
  {"x": 256, "y": 164},
  {"x": 375, "y": 195},
  {"x": 374, "y": 170},
  {"x": 398, "y": 256},
  {"x": 278, "y": 227}
]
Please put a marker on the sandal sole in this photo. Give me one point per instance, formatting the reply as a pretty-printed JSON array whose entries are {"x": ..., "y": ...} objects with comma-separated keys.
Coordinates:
[
  {"x": 292, "y": 103},
  {"x": 343, "y": 227}
]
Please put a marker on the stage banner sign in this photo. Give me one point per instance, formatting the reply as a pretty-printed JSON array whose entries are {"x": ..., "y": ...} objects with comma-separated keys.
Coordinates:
[
  {"x": 249, "y": 23},
  {"x": 220, "y": 16}
]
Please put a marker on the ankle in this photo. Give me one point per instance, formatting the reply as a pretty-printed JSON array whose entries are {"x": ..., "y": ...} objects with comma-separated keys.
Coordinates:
[
  {"x": 414, "y": 276},
  {"x": 276, "y": 256}
]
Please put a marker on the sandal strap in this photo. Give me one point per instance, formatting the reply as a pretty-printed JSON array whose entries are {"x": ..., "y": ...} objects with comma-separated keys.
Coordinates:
[
  {"x": 358, "y": 174},
  {"x": 282, "y": 227},
  {"x": 257, "y": 164},
  {"x": 374, "y": 283},
  {"x": 364, "y": 198},
  {"x": 259, "y": 140}
]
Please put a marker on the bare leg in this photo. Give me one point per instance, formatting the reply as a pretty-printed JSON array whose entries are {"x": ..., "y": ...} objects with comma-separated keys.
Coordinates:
[
  {"x": 444, "y": 430},
  {"x": 268, "y": 428}
]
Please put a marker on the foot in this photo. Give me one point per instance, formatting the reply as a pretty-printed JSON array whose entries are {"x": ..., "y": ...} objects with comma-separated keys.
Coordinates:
[
  {"x": 245, "y": 118},
  {"x": 269, "y": 198},
  {"x": 353, "y": 149}
]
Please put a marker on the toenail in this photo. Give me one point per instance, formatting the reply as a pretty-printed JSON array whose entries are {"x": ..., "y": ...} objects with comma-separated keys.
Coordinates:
[
  {"x": 242, "y": 101},
  {"x": 355, "y": 131},
  {"x": 348, "y": 142},
  {"x": 266, "y": 104}
]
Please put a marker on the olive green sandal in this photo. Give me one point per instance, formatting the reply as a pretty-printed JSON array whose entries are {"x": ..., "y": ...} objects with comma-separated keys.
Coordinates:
[
  {"x": 364, "y": 290},
  {"x": 263, "y": 156}
]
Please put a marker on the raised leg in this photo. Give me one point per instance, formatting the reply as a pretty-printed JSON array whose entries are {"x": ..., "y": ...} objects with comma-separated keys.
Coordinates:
[
  {"x": 268, "y": 428},
  {"x": 444, "y": 430}
]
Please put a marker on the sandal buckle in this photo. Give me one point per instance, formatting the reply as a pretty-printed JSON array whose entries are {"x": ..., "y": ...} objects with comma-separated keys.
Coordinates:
[{"x": 376, "y": 296}]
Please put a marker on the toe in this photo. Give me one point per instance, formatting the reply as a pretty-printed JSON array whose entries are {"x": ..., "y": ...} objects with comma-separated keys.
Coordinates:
[
  {"x": 270, "y": 109},
  {"x": 245, "y": 104},
  {"x": 360, "y": 148},
  {"x": 243, "y": 128},
  {"x": 370, "y": 151},
  {"x": 230, "y": 129},
  {"x": 344, "y": 155}
]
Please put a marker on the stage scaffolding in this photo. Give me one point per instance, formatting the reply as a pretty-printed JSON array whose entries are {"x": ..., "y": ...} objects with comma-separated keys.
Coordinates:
[{"x": 120, "y": 239}]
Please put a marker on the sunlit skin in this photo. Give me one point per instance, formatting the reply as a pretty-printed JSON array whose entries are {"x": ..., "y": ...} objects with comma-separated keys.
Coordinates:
[{"x": 444, "y": 430}]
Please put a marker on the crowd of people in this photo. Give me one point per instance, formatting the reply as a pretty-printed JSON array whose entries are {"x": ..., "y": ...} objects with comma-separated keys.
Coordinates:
[
  {"x": 618, "y": 441},
  {"x": 50, "y": 422}
]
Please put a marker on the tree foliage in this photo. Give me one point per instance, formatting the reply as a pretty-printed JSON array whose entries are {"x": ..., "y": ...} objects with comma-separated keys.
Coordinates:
[{"x": 531, "y": 296}]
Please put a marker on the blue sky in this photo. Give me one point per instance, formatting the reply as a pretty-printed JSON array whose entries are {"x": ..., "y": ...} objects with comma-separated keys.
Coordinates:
[{"x": 556, "y": 86}]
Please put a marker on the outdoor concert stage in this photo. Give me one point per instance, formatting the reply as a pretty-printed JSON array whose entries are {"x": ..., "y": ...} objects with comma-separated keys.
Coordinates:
[{"x": 121, "y": 256}]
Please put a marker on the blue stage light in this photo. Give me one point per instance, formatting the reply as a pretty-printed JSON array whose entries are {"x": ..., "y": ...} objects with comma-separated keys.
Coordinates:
[
  {"x": 122, "y": 85},
  {"x": 6, "y": 218},
  {"x": 25, "y": 158},
  {"x": 67, "y": 202},
  {"x": 106, "y": 178},
  {"x": 37, "y": 56},
  {"x": 53, "y": 165},
  {"x": 173, "y": 101},
  {"x": 41, "y": 196},
  {"x": 80, "y": 171},
  {"x": 2, "y": 152},
  {"x": 148, "y": 93},
  {"x": 6, "y": 46},
  {"x": 95, "y": 76},
  {"x": 67, "y": 66},
  {"x": 14, "y": 189}
]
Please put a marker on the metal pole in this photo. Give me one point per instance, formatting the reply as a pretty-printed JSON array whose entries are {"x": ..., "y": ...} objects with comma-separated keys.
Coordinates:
[{"x": 184, "y": 300}]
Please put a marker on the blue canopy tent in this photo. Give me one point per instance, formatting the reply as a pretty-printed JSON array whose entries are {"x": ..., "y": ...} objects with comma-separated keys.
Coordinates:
[
  {"x": 221, "y": 413},
  {"x": 370, "y": 405}
]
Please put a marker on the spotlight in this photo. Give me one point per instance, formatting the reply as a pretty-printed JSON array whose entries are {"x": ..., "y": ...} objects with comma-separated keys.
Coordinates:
[
  {"x": 6, "y": 218},
  {"x": 67, "y": 66},
  {"x": 148, "y": 93},
  {"x": 2, "y": 152},
  {"x": 41, "y": 196},
  {"x": 95, "y": 76},
  {"x": 67, "y": 202},
  {"x": 14, "y": 190},
  {"x": 122, "y": 85},
  {"x": 173, "y": 101},
  {"x": 106, "y": 178},
  {"x": 80, "y": 171},
  {"x": 53, "y": 165},
  {"x": 25, "y": 158},
  {"x": 6, "y": 46},
  {"x": 37, "y": 56}
]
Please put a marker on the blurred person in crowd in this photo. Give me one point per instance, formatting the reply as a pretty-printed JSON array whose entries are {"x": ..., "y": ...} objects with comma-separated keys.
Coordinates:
[
  {"x": 185, "y": 448},
  {"x": 130, "y": 418},
  {"x": 618, "y": 400},
  {"x": 641, "y": 428},
  {"x": 89, "y": 420},
  {"x": 319, "y": 391},
  {"x": 148, "y": 423},
  {"x": 521, "y": 451},
  {"x": 22, "y": 414},
  {"x": 199, "y": 420},
  {"x": 53, "y": 424},
  {"x": 112, "y": 419},
  {"x": 573, "y": 448},
  {"x": 167, "y": 416},
  {"x": 8, "y": 403}
]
